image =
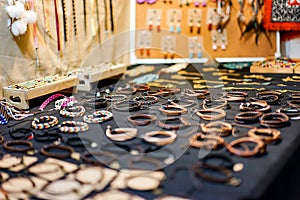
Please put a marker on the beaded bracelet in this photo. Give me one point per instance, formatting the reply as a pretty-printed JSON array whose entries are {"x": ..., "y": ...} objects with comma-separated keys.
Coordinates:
[
  {"x": 50, "y": 99},
  {"x": 63, "y": 103},
  {"x": 141, "y": 119},
  {"x": 4, "y": 118},
  {"x": 44, "y": 122},
  {"x": 76, "y": 111},
  {"x": 146, "y": 100},
  {"x": 98, "y": 117},
  {"x": 73, "y": 127}
]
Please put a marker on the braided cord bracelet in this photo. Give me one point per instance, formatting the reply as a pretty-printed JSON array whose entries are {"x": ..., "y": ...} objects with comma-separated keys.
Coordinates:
[
  {"x": 50, "y": 99},
  {"x": 3, "y": 115},
  {"x": 98, "y": 117},
  {"x": 44, "y": 122},
  {"x": 73, "y": 127}
]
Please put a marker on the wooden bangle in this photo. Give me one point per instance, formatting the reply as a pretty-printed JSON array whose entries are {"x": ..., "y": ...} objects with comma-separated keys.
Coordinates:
[
  {"x": 294, "y": 103},
  {"x": 217, "y": 128},
  {"x": 211, "y": 142},
  {"x": 146, "y": 100},
  {"x": 259, "y": 106},
  {"x": 259, "y": 148},
  {"x": 209, "y": 116},
  {"x": 13, "y": 146},
  {"x": 173, "y": 110},
  {"x": 151, "y": 137},
  {"x": 265, "y": 134},
  {"x": 210, "y": 104},
  {"x": 120, "y": 134},
  {"x": 247, "y": 117},
  {"x": 141, "y": 119},
  {"x": 46, "y": 151},
  {"x": 168, "y": 123},
  {"x": 274, "y": 120}
]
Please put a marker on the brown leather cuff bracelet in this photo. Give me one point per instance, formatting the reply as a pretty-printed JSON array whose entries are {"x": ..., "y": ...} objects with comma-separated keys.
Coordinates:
[
  {"x": 169, "y": 123},
  {"x": 217, "y": 128},
  {"x": 211, "y": 114},
  {"x": 274, "y": 120},
  {"x": 211, "y": 142},
  {"x": 20, "y": 146},
  {"x": 259, "y": 148},
  {"x": 141, "y": 119},
  {"x": 247, "y": 117},
  {"x": 259, "y": 106},
  {"x": 173, "y": 110},
  {"x": 265, "y": 134}
]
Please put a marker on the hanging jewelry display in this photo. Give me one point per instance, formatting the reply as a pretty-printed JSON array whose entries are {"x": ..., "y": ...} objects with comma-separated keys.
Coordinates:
[
  {"x": 144, "y": 42},
  {"x": 194, "y": 20},
  {"x": 174, "y": 17}
]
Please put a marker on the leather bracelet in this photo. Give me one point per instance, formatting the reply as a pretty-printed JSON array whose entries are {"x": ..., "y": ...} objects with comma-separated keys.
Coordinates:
[
  {"x": 115, "y": 98},
  {"x": 47, "y": 136},
  {"x": 186, "y": 103},
  {"x": 13, "y": 146},
  {"x": 217, "y": 128},
  {"x": 44, "y": 122},
  {"x": 46, "y": 151},
  {"x": 226, "y": 161},
  {"x": 146, "y": 100},
  {"x": 292, "y": 113},
  {"x": 295, "y": 96},
  {"x": 96, "y": 103},
  {"x": 173, "y": 110},
  {"x": 247, "y": 117},
  {"x": 274, "y": 120},
  {"x": 211, "y": 142},
  {"x": 209, "y": 104},
  {"x": 151, "y": 137},
  {"x": 200, "y": 94},
  {"x": 141, "y": 87},
  {"x": 166, "y": 123},
  {"x": 170, "y": 90},
  {"x": 141, "y": 119},
  {"x": 294, "y": 103},
  {"x": 270, "y": 99},
  {"x": 73, "y": 127},
  {"x": 157, "y": 93},
  {"x": 127, "y": 106},
  {"x": 266, "y": 93},
  {"x": 72, "y": 112},
  {"x": 20, "y": 133},
  {"x": 265, "y": 134},
  {"x": 81, "y": 142},
  {"x": 126, "y": 91},
  {"x": 259, "y": 106},
  {"x": 98, "y": 117},
  {"x": 234, "y": 96},
  {"x": 120, "y": 134},
  {"x": 259, "y": 148},
  {"x": 208, "y": 116}
]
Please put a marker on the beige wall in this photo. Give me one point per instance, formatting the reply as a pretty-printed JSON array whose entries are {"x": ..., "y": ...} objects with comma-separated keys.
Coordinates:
[{"x": 17, "y": 54}]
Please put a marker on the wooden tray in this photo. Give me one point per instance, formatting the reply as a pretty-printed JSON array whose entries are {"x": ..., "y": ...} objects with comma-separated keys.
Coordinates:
[
  {"x": 89, "y": 75},
  {"x": 20, "y": 97}
]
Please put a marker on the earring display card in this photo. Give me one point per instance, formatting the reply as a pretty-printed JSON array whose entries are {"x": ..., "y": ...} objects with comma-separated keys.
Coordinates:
[
  {"x": 168, "y": 44},
  {"x": 153, "y": 18},
  {"x": 144, "y": 39},
  {"x": 194, "y": 20},
  {"x": 196, "y": 47},
  {"x": 219, "y": 39},
  {"x": 174, "y": 17}
]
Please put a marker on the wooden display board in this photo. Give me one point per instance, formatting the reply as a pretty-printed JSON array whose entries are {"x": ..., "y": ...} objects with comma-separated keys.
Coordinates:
[{"x": 236, "y": 47}]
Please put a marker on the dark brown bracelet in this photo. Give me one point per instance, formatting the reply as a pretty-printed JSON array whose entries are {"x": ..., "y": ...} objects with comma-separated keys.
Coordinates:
[
  {"x": 209, "y": 116},
  {"x": 126, "y": 91},
  {"x": 46, "y": 151},
  {"x": 141, "y": 119},
  {"x": 211, "y": 142},
  {"x": 217, "y": 128},
  {"x": 274, "y": 120},
  {"x": 166, "y": 123},
  {"x": 294, "y": 103},
  {"x": 247, "y": 117},
  {"x": 141, "y": 87},
  {"x": 270, "y": 99},
  {"x": 259, "y": 106},
  {"x": 173, "y": 110},
  {"x": 265, "y": 134},
  {"x": 146, "y": 100},
  {"x": 227, "y": 177},
  {"x": 259, "y": 148},
  {"x": 214, "y": 104},
  {"x": 13, "y": 146}
]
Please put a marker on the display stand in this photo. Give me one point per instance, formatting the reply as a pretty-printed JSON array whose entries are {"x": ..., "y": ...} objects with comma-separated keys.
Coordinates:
[
  {"x": 90, "y": 75},
  {"x": 20, "y": 97}
]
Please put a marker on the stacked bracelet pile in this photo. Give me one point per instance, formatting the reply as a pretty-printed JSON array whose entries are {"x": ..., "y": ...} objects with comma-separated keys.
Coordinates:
[
  {"x": 76, "y": 111},
  {"x": 98, "y": 117},
  {"x": 73, "y": 127},
  {"x": 44, "y": 122}
]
